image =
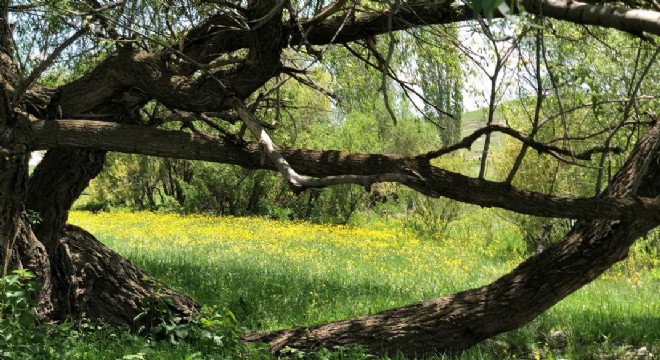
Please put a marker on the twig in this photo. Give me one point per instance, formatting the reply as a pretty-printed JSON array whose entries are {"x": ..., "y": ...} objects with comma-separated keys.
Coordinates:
[
  {"x": 388, "y": 60},
  {"x": 537, "y": 108},
  {"x": 25, "y": 84},
  {"x": 310, "y": 84},
  {"x": 626, "y": 113},
  {"x": 401, "y": 83},
  {"x": 325, "y": 13}
]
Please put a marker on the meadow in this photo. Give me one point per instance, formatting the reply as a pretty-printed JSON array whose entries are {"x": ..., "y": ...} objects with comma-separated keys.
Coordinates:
[{"x": 275, "y": 274}]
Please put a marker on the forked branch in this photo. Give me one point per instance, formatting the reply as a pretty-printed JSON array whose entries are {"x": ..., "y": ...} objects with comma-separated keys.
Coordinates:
[{"x": 301, "y": 182}]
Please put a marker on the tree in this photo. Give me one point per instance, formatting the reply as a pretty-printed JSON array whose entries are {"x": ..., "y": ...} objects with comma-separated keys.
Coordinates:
[{"x": 147, "y": 63}]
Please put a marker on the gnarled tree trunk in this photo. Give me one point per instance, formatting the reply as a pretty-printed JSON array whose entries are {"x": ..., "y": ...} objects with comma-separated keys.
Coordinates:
[
  {"x": 79, "y": 275},
  {"x": 88, "y": 278}
]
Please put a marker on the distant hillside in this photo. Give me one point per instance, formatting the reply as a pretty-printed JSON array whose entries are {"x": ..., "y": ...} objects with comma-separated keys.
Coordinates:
[
  {"x": 476, "y": 119},
  {"x": 473, "y": 120}
]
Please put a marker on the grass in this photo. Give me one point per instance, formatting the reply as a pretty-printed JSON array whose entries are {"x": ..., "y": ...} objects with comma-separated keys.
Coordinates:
[
  {"x": 309, "y": 273},
  {"x": 273, "y": 274},
  {"x": 281, "y": 274}
]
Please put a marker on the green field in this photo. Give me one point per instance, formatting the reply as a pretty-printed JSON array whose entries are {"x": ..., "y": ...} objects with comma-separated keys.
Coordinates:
[{"x": 273, "y": 274}]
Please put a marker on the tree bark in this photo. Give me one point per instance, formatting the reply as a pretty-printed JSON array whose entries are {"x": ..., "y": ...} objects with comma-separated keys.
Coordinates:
[
  {"x": 459, "y": 321},
  {"x": 100, "y": 284},
  {"x": 433, "y": 181},
  {"x": 19, "y": 248},
  {"x": 83, "y": 276},
  {"x": 79, "y": 275},
  {"x": 55, "y": 185},
  {"x": 88, "y": 278}
]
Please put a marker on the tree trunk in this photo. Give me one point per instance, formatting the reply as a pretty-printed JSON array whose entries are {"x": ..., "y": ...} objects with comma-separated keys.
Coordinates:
[
  {"x": 89, "y": 279},
  {"x": 19, "y": 248},
  {"x": 56, "y": 183},
  {"x": 459, "y": 321},
  {"x": 104, "y": 285}
]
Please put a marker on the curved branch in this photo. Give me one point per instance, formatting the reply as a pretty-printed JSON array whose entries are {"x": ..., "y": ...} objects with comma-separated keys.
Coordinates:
[
  {"x": 467, "y": 142},
  {"x": 459, "y": 321},
  {"x": 434, "y": 181},
  {"x": 301, "y": 182}
]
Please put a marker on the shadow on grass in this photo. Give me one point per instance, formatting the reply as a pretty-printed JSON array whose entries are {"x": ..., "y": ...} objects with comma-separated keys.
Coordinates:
[
  {"x": 606, "y": 319},
  {"x": 271, "y": 297}
]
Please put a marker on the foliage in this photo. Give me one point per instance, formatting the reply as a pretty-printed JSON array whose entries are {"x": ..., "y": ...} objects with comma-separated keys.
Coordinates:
[
  {"x": 209, "y": 330},
  {"x": 284, "y": 279},
  {"x": 601, "y": 77},
  {"x": 441, "y": 80},
  {"x": 211, "y": 334},
  {"x": 16, "y": 298},
  {"x": 20, "y": 335},
  {"x": 355, "y": 109}
]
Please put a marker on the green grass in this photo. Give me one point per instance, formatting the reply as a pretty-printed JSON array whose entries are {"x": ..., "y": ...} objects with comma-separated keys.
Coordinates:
[{"x": 279, "y": 274}]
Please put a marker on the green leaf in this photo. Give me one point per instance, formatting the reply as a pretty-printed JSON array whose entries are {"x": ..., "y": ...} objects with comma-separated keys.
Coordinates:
[{"x": 477, "y": 5}]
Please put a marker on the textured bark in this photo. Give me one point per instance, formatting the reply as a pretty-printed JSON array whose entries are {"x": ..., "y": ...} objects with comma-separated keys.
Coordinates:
[
  {"x": 56, "y": 183},
  {"x": 462, "y": 320},
  {"x": 19, "y": 248},
  {"x": 634, "y": 21},
  {"x": 435, "y": 181},
  {"x": 103, "y": 285},
  {"x": 88, "y": 279}
]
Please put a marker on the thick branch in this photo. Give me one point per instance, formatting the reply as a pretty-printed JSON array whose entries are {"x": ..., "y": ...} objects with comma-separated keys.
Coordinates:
[
  {"x": 301, "y": 182},
  {"x": 150, "y": 74},
  {"x": 459, "y": 321},
  {"x": 634, "y": 21},
  {"x": 407, "y": 16},
  {"x": 437, "y": 182}
]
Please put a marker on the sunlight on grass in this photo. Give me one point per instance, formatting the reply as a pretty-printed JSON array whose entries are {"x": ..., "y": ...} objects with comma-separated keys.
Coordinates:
[
  {"x": 310, "y": 273},
  {"x": 275, "y": 274}
]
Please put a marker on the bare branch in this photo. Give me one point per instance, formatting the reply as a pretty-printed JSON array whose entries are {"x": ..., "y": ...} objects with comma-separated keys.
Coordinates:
[
  {"x": 301, "y": 182},
  {"x": 327, "y": 12},
  {"x": 311, "y": 84},
  {"x": 388, "y": 60},
  {"x": 467, "y": 142},
  {"x": 537, "y": 108},
  {"x": 36, "y": 73}
]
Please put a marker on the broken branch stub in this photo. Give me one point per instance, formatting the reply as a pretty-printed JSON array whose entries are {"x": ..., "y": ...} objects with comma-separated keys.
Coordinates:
[{"x": 298, "y": 182}]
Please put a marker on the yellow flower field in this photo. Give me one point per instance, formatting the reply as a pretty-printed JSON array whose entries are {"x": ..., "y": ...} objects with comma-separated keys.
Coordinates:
[
  {"x": 277, "y": 273},
  {"x": 392, "y": 252}
]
